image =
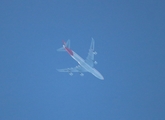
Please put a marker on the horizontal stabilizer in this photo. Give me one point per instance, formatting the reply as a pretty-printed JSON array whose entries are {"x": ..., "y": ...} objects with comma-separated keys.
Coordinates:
[{"x": 62, "y": 49}]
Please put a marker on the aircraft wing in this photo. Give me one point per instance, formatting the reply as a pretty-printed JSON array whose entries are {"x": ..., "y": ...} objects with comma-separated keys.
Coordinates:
[
  {"x": 90, "y": 58},
  {"x": 78, "y": 68}
]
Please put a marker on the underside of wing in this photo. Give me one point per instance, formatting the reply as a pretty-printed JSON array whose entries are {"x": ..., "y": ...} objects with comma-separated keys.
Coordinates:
[
  {"x": 78, "y": 68},
  {"x": 90, "y": 58}
]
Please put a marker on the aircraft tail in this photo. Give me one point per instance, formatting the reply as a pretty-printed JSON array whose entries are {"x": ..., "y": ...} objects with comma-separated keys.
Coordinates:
[{"x": 65, "y": 44}]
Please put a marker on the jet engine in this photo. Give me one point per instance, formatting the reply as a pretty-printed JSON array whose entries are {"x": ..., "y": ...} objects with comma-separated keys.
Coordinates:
[
  {"x": 70, "y": 73},
  {"x": 95, "y": 62},
  {"x": 81, "y": 74},
  {"x": 95, "y": 53}
]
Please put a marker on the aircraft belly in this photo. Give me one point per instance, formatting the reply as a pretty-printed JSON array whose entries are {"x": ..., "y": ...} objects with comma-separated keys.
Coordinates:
[
  {"x": 81, "y": 61},
  {"x": 86, "y": 66}
]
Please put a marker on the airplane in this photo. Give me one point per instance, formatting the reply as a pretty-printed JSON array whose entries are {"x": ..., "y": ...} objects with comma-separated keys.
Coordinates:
[{"x": 83, "y": 65}]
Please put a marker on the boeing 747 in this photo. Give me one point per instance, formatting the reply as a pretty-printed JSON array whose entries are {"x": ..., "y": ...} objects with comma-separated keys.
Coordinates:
[{"x": 84, "y": 65}]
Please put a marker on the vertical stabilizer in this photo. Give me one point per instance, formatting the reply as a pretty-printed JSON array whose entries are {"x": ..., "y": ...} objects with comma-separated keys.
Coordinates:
[{"x": 66, "y": 44}]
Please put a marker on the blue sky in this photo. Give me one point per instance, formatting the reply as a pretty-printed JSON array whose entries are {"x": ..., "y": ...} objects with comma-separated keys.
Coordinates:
[{"x": 129, "y": 37}]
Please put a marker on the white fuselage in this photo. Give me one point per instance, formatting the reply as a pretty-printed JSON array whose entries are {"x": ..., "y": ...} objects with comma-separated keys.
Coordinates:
[{"x": 87, "y": 67}]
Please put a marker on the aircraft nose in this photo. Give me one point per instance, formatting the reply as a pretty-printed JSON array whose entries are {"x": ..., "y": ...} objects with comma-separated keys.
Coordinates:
[{"x": 101, "y": 77}]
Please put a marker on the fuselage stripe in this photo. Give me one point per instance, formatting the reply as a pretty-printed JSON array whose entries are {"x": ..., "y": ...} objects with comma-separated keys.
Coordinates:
[{"x": 69, "y": 51}]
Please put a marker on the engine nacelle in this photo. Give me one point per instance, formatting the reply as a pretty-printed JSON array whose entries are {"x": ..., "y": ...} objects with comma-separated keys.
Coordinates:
[
  {"x": 95, "y": 62},
  {"x": 95, "y": 53},
  {"x": 81, "y": 74},
  {"x": 70, "y": 73}
]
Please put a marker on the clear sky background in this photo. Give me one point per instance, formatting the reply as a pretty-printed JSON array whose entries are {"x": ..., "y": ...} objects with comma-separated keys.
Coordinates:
[{"x": 130, "y": 42}]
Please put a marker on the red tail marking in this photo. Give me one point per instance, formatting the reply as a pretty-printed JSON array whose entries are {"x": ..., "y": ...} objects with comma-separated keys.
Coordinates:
[
  {"x": 67, "y": 49},
  {"x": 64, "y": 42}
]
